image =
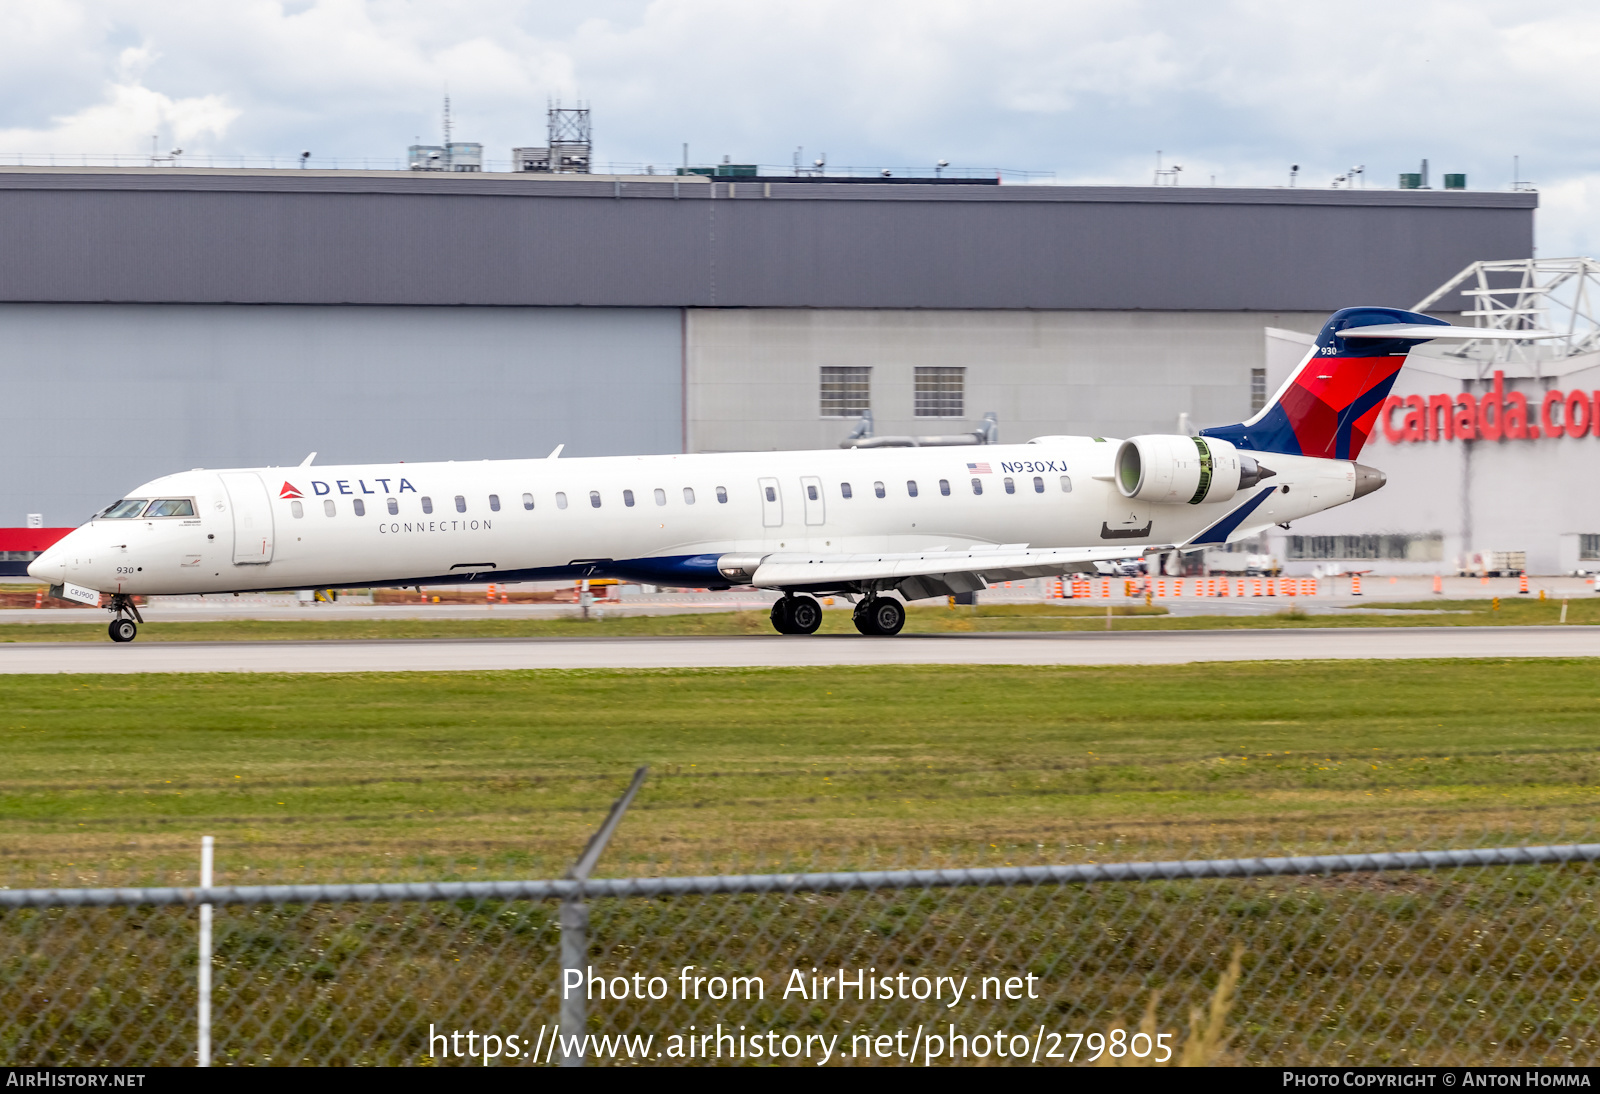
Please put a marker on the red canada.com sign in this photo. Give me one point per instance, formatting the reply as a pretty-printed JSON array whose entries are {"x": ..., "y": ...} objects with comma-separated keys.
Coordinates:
[{"x": 1496, "y": 415}]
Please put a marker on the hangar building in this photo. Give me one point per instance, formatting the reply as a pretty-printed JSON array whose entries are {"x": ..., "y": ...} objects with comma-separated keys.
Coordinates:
[{"x": 163, "y": 318}]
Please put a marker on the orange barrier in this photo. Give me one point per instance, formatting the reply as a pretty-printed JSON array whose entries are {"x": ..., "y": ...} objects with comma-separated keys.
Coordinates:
[
  {"x": 1438, "y": 583},
  {"x": 1522, "y": 583},
  {"x": 1355, "y": 584},
  {"x": 1161, "y": 587},
  {"x": 1056, "y": 591},
  {"x": 38, "y": 599},
  {"x": 1177, "y": 587},
  {"x": 490, "y": 596},
  {"x": 1105, "y": 586},
  {"x": 1255, "y": 586},
  {"x": 1288, "y": 585},
  {"x": 1308, "y": 586},
  {"x": 1222, "y": 587}
]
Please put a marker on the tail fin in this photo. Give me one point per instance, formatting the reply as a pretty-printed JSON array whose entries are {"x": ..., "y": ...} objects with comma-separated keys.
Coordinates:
[{"x": 1329, "y": 407}]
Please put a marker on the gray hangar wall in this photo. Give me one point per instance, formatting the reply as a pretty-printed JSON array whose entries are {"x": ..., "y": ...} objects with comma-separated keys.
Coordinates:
[
  {"x": 99, "y": 398},
  {"x": 153, "y": 319}
]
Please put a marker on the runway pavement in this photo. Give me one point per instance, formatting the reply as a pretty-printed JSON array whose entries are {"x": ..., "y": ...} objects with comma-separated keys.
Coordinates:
[{"x": 1080, "y": 648}]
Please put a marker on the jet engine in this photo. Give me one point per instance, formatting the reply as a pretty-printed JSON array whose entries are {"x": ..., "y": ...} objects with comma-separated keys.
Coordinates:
[{"x": 1178, "y": 470}]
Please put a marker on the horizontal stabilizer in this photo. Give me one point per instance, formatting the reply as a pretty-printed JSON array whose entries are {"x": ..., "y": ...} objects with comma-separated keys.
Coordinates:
[{"x": 1443, "y": 333}]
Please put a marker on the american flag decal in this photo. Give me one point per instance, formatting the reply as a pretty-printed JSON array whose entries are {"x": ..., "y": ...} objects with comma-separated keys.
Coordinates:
[{"x": 979, "y": 469}]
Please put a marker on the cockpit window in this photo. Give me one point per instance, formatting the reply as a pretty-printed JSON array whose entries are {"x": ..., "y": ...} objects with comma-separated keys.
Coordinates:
[
  {"x": 170, "y": 507},
  {"x": 129, "y": 507}
]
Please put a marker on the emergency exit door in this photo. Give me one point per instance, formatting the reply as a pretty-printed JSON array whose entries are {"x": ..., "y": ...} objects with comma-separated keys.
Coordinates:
[
  {"x": 811, "y": 493},
  {"x": 771, "y": 503}
]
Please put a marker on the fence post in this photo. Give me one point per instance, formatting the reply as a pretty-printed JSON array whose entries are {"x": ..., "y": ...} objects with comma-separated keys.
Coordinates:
[
  {"x": 575, "y": 929},
  {"x": 203, "y": 1017}
]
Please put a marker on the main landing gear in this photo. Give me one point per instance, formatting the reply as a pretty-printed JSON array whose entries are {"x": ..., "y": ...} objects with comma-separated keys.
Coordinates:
[
  {"x": 124, "y": 629},
  {"x": 796, "y": 615},
  {"x": 880, "y": 615}
]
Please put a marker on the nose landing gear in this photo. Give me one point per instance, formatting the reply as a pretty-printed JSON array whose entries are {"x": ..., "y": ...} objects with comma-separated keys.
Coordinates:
[{"x": 122, "y": 628}]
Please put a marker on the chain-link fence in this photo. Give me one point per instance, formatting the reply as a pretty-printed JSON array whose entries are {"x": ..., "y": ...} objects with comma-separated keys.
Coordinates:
[{"x": 1464, "y": 956}]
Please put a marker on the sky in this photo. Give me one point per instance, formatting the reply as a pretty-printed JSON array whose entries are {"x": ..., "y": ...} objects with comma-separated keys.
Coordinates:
[{"x": 1235, "y": 91}]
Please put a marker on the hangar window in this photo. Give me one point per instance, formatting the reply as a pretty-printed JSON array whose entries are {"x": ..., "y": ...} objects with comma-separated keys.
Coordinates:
[
  {"x": 661, "y": 496},
  {"x": 688, "y": 495},
  {"x": 527, "y": 501},
  {"x": 627, "y": 498},
  {"x": 494, "y": 503},
  {"x": 1588, "y": 548},
  {"x": 1258, "y": 388},
  {"x": 1066, "y": 484},
  {"x": 944, "y": 487},
  {"x": 939, "y": 392},
  {"x": 878, "y": 490},
  {"x": 427, "y": 504},
  {"x": 1011, "y": 485},
  {"x": 461, "y": 504},
  {"x": 360, "y": 507},
  {"x": 394, "y": 507},
  {"x": 329, "y": 508},
  {"x": 1415, "y": 548},
  {"x": 561, "y": 499},
  {"x": 977, "y": 486},
  {"x": 846, "y": 391},
  {"x": 1038, "y": 484},
  {"x": 722, "y": 495},
  {"x": 911, "y": 487},
  {"x": 297, "y": 509},
  {"x": 594, "y": 498},
  {"x": 844, "y": 490}
]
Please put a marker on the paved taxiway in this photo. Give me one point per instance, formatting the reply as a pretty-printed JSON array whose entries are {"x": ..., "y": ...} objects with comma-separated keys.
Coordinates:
[{"x": 1079, "y": 648}]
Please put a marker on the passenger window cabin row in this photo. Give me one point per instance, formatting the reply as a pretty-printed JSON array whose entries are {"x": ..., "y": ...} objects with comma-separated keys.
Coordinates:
[
  {"x": 359, "y": 505},
  {"x": 660, "y": 496},
  {"x": 880, "y": 491}
]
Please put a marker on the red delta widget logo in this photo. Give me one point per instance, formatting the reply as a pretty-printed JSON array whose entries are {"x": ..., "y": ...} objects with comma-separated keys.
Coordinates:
[
  {"x": 1495, "y": 416},
  {"x": 290, "y": 491}
]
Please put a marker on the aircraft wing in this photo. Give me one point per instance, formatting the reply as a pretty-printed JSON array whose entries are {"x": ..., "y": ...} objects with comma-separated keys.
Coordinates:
[{"x": 934, "y": 573}]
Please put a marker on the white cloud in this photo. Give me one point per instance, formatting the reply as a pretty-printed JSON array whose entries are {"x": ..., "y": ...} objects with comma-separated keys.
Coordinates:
[{"x": 1236, "y": 88}]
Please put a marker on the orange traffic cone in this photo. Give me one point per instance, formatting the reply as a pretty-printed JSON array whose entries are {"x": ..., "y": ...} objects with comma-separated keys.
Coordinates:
[
  {"x": 1438, "y": 583},
  {"x": 1355, "y": 584},
  {"x": 38, "y": 599},
  {"x": 1105, "y": 587},
  {"x": 1522, "y": 582}
]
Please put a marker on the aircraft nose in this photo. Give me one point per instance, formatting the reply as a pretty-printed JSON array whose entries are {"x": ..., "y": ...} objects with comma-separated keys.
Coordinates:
[{"x": 50, "y": 567}]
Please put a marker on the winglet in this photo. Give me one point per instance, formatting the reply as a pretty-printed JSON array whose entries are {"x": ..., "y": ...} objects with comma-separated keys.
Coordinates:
[
  {"x": 556, "y": 453},
  {"x": 307, "y": 461}
]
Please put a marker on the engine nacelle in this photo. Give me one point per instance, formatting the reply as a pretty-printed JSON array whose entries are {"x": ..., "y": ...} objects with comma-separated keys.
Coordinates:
[{"x": 1179, "y": 470}]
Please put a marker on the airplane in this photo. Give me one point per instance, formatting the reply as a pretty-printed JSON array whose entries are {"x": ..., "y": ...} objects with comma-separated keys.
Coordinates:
[{"x": 861, "y": 523}]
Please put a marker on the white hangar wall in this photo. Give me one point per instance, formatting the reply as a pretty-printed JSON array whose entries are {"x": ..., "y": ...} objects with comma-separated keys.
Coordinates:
[{"x": 753, "y": 375}]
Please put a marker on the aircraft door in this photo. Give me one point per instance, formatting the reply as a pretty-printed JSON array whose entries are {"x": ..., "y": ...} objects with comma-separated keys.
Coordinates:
[
  {"x": 811, "y": 492},
  {"x": 771, "y": 503},
  {"x": 252, "y": 518}
]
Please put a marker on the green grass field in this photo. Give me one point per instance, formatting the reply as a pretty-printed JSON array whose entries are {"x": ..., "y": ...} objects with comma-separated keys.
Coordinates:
[
  {"x": 517, "y": 768},
  {"x": 920, "y": 619}
]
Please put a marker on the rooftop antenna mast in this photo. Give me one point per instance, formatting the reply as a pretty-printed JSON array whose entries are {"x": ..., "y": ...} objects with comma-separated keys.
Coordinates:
[{"x": 447, "y": 119}]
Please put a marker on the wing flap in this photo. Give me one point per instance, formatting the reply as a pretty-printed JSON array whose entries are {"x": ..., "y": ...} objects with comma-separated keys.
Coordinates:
[{"x": 993, "y": 564}]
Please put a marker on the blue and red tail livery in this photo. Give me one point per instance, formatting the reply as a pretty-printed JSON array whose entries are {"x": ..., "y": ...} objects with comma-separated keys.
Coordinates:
[{"x": 1330, "y": 405}]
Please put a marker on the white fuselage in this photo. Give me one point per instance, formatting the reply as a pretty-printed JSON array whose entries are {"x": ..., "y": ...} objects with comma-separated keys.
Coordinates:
[{"x": 510, "y": 520}]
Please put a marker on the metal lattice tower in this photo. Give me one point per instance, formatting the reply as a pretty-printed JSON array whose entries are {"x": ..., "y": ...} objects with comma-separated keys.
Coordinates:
[{"x": 1551, "y": 294}]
